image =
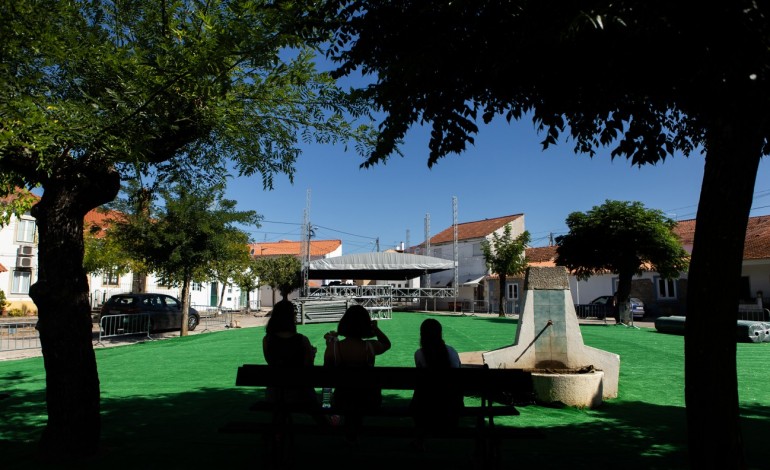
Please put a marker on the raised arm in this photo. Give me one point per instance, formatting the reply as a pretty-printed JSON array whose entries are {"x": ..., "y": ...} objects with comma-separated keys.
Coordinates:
[{"x": 383, "y": 342}]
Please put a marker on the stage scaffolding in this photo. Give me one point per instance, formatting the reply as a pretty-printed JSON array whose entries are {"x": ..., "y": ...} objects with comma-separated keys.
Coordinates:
[{"x": 378, "y": 299}]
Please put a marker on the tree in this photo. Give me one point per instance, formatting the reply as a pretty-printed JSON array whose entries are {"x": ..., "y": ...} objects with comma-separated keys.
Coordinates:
[
  {"x": 505, "y": 255},
  {"x": 281, "y": 273},
  {"x": 248, "y": 280},
  {"x": 190, "y": 238},
  {"x": 89, "y": 91},
  {"x": 650, "y": 79},
  {"x": 624, "y": 238},
  {"x": 104, "y": 255}
]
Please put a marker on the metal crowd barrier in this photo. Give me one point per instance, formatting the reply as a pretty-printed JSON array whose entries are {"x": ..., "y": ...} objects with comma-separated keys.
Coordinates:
[
  {"x": 598, "y": 311},
  {"x": 212, "y": 317},
  {"x": 111, "y": 326},
  {"x": 19, "y": 335},
  {"x": 753, "y": 312}
]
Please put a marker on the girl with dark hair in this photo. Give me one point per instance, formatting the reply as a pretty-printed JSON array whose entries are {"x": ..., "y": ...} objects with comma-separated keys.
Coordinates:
[
  {"x": 432, "y": 407},
  {"x": 284, "y": 347},
  {"x": 356, "y": 350}
]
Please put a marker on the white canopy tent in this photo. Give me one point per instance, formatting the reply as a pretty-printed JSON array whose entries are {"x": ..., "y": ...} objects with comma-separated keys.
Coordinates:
[{"x": 386, "y": 266}]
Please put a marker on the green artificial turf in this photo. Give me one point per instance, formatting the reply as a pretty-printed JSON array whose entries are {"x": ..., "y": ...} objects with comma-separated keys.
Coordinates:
[{"x": 163, "y": 401}]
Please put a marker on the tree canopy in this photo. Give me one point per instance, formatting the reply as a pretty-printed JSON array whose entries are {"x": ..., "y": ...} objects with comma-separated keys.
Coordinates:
[
  {"x": 647, "y": 79},
  {"x": 193, "y": 236},
  {"x": 624, "y": 238},
  {"x": 282, "y": 273}
]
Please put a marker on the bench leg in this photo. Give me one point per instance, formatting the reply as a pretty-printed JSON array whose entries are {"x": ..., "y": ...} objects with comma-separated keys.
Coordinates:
[{"x": 279, "y": 442}]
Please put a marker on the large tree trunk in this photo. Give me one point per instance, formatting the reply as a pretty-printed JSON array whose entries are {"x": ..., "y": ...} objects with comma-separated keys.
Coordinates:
[
  {"x": 61, "y": 296},
  {"x": 623, "y": 313},
  {"x": 711, "y": 384},
  {"x": 183, "y": 331}
]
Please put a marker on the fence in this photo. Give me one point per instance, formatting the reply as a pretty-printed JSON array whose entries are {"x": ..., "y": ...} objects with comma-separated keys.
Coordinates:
[
  {"x": 19, "y": 335},
  {"x": 111, "y": 326},
  {"x": 598, "y": 311},
  {"x": 753, "y": 312},
  {"x": 214, "y": 317}
]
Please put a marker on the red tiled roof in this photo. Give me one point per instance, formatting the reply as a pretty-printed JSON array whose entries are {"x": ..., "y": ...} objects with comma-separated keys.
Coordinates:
[
  {"x": 470, "y": 230},
  {"x": 100, "y": 218},
  {"x": 543, "y": 254},
  {"x": 756, "y": 244},
  {"x": 287, "y": 247}
]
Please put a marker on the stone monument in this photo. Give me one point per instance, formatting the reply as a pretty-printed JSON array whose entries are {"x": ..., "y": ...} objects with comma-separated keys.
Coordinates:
[{"x": 549, "y": 343}]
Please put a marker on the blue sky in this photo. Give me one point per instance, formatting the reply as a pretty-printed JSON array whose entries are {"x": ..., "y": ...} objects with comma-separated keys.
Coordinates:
[{"x": 505, "y": 172}]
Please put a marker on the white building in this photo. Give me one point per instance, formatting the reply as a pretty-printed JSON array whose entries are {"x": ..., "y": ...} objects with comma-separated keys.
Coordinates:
[
  {"x": 474, "y": 285},
  {"x": 18, "y": 261}
]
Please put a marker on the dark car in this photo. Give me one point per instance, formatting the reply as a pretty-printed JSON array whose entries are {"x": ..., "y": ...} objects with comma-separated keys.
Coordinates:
[
  {"x": 637, "y": 306},
  {"x": 164, "y": 310}
]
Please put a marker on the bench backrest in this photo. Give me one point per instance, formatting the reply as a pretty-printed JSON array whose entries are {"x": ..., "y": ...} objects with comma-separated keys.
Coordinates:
[{"x": 469, "y": 380}]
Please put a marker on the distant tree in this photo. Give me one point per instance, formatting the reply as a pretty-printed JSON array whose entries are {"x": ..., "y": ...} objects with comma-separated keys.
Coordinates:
[
  {"x": 504, "y": 255},
  {"x": 248, "y": 280},
  {"x": 90, "y": 90},
  {"x": 650, "y": 79},
  {"x": 281, "y": 273},
  {"x": 231, "y": 259},
  {"x": 194, "y": 230},
  {"x": 623, "y": 238},
  {"x": 103, "y": 255}
]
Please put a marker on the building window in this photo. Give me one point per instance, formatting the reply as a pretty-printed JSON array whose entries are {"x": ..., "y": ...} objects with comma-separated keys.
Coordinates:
[
  {"x": 110, "y": 278},
  {"x": 666, "y": 288},
  {"x": 477, "y": 251},
  {"x": 21, "y": 281},
  {"x": 25, "y": 231},
  {"x": 513, "y": 291},
  {"x": 437, "y": 252}
]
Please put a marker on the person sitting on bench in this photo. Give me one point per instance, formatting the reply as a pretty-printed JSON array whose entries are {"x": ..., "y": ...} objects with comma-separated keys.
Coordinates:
[
  {"x": 284, "y": 347},
  {"x": 433, "y": 407},
  {"x": 356, "y": 350}
]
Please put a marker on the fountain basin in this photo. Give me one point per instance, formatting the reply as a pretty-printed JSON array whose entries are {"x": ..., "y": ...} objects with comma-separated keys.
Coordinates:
[{"x": 570, "y": 388}]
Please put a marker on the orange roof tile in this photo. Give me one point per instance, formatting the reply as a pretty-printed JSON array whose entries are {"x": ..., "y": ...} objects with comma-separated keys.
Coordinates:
[
  {"x": 543, "y": 254},
  {"x": 756, "y": 244},
  {"x": 470, "y": 230},
  {"x": 3, "y": 268},
  {"x": 288, "y": 247}
]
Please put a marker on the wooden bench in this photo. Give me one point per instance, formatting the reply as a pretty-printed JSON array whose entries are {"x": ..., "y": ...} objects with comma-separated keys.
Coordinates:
[{"x": 489, "y": 386}]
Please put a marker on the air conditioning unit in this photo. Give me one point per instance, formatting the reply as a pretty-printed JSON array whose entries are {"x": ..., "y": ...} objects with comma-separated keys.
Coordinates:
[
  {"x": 24, "y": 262},
  {"x": 26, "y": 250}
]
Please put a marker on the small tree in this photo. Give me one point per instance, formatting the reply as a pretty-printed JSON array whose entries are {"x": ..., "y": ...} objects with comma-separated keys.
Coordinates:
[
  {"x": 505, "y": 255},
  {"x": 3, "y": 302},
  {"x": 282, "y": 273},
  {"x": 181, "y": 240},
  {"x": 623, "y": 238},
  {"x": 248, "y": 280}
]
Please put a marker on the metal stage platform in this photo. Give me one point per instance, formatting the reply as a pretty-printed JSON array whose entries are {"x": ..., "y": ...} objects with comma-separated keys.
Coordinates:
[{"x": 328, "y": 303}]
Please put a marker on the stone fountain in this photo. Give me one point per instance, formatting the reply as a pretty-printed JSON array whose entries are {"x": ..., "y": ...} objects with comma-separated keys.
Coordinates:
[{"x": 549, "y": 343}]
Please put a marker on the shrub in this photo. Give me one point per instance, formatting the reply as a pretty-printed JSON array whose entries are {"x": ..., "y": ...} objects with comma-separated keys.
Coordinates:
[
  {"x": 3, "y": 302},
  {"x": 15, "y": 312}
]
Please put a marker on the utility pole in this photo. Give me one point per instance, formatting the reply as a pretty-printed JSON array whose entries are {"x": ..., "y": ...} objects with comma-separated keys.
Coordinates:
[
  {"x": 305, "y": 246},
  {"x": 456, "y": 251},
  {"x": 427, "y": 244}
]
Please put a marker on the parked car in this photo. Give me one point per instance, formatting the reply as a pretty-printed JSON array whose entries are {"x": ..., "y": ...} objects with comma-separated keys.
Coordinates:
[
  {"x": 637, "y": 306},
  {"x": 165, "y": 311}
]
